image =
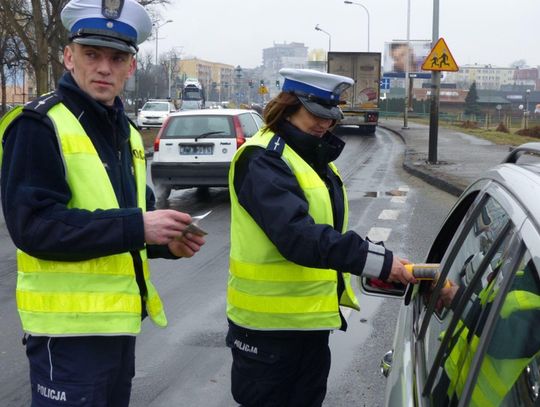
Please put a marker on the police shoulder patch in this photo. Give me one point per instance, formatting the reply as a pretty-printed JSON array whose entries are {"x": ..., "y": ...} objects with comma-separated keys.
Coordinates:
[
  {"x": 43, "y": 104},
  {"x": 276, "y": 145}
]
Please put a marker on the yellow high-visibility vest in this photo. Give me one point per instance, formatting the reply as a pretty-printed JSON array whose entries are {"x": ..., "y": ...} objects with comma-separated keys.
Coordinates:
[
  {"x": 497, "y": 376},
  {"x": 265, "y": 290},
  {"x": 91, "y": 297}
]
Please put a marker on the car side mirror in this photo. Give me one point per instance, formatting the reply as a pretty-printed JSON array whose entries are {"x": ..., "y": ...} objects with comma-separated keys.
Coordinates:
[{"x": 380, "y": 288}]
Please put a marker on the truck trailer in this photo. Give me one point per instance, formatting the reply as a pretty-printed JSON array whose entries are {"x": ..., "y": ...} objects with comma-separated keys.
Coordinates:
[{"x": 361, "y": 106}]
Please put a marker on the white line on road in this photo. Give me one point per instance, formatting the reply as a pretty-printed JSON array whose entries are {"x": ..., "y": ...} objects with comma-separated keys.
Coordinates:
[
  {"x": 404, "y": 188},
  {"x": 379, "y": 234},
  {"x": 389, "y": 214},
  {"x": 398, "y": 199}
]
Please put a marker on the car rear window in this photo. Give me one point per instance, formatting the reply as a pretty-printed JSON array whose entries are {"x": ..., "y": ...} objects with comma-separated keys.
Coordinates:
[
  {"x": 193, "y": 126},
  {"x": 156, "y": 107},
  {"x": 248, "y": 124}
]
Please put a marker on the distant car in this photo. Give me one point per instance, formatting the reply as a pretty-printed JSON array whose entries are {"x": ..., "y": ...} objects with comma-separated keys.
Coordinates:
[
  {"x": 477, "y": 341},
  {"x": 194, "y": 148},
  {"x": 191, "y": 105},
  {"x": 154, "y": 112}
]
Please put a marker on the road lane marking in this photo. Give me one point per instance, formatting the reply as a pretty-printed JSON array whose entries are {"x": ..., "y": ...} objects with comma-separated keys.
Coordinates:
[
  {"x": 379, "y": 234},
  {"x": 404, "y": 188},
  {"x": 389, "y": 214},
  {"x": 398, "y": 199}
]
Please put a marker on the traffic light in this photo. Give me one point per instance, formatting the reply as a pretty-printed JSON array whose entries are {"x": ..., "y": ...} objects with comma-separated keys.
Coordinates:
[
  {"x": 250, "y": 83},
  {"x": 277, "y": 84}
]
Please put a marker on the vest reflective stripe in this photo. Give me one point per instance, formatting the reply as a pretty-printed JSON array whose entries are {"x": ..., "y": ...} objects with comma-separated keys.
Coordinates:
[
  {"x": 497, "y": 376},
  {"x": 4, "y": 123},
  {"x": 96, "y": 296},
  {"x": 274, "y": 272},
  {"x": 267, "y": 292}
]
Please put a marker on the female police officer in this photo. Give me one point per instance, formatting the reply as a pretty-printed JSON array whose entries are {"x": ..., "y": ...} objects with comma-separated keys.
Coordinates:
[{"x": 290, "y": 253}]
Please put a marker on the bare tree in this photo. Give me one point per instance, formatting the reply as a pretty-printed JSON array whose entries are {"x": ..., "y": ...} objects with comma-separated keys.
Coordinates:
[{"x": 38, "y": 26}]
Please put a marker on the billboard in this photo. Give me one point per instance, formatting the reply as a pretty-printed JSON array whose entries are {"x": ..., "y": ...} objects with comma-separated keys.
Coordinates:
[{"x": 395, "y": 58}]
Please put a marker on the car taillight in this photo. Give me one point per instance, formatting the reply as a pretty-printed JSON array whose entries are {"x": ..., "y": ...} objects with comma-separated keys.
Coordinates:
[
  {"x": 158, "y": 137},
  {"x": 240, "y": 137},
  {"x": 372, "y": 117}
]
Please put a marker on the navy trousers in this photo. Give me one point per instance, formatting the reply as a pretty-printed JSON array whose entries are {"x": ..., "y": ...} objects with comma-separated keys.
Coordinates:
[
  {"x": 279, "y": 371},
  {"x": 84, "y": 371}
]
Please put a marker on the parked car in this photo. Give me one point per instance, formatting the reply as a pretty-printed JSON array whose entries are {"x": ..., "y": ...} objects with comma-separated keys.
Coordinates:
[
  {"x": 154, "y": 112},
  {"x": 194, "y": 148},
  {"x": 475, "y": 341}
]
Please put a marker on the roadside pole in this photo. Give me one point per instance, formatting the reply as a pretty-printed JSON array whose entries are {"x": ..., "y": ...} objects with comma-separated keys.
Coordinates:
[{"x": 435, "y": 91}]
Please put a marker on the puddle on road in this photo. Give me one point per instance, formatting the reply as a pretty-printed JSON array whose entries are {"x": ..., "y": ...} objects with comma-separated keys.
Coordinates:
[{"x": 378, "y": 194}]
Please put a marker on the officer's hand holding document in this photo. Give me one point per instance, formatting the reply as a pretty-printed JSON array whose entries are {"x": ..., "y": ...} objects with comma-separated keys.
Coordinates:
[{"x": 194, "y": 227}]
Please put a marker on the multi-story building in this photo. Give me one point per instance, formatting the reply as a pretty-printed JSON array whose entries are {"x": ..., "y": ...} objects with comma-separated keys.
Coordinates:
[
  {"x": 317, "y": 59},
  {"x": 485, "y": 76},
  {"x": 218, "y": 79},
  {"x": 291, "y": 55},
  {"x": 527, "y": 77}
]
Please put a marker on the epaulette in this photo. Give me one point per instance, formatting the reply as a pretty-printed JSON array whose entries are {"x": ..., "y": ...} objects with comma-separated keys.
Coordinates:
[
  {"x": 276, "y": 146},
  {"x": 43, "y": 104}
]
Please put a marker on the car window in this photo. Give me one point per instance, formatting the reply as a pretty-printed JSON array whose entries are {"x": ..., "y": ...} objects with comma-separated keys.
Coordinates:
[
  {"x": 249, "y": 126},
  {"x": 258, "y": 120},
  {"x": 156, "y": 107},
  {"x": 509, "y": 374},
  {"x": 192, "y": 126},
  {"x": 488, "y": 234}
]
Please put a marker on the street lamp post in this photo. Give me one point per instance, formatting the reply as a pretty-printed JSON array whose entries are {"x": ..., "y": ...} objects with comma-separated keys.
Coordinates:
[
  {"x": 407, "y": 68},
  {"x": 367, "y": 12},
  {"x": 238, "y": 72},
  {"x": 329, "y": 36},
  {"x": 157, "y": 27},
  {"x": 526, "y": 112}
]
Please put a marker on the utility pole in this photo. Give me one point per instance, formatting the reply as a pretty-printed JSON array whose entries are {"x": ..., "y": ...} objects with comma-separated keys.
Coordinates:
[
  {"x": 435, "y": 92},
  {"x": 407, "y": 69}
]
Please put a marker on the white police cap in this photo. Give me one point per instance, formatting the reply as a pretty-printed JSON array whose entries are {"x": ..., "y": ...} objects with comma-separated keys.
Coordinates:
[
  {"x": 319, "y": 92},
  {"x": 118, "y": 24}
]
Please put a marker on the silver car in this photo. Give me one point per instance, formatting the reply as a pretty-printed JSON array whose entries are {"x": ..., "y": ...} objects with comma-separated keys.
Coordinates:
[{"x": 470, "y": 336}]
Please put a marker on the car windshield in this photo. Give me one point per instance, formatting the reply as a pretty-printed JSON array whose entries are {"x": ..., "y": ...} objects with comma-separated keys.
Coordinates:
[
  {"x": 156, "y": 107},
  {"x": 195, "y": 126}
]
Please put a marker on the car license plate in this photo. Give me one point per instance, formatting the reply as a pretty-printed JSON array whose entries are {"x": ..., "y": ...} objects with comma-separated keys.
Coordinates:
[{"x": 196, "y": 149}]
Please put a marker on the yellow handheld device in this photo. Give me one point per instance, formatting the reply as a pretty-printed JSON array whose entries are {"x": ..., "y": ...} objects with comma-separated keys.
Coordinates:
[{"x": 425, "y": 271}]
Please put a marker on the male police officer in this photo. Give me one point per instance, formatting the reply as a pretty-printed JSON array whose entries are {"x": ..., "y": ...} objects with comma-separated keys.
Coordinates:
[{"x": 75, "y": 201}]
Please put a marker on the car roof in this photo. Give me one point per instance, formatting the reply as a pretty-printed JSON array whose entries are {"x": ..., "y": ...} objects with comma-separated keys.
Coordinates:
[
  {"x": 521, "y": 179},
  {"x": 212, "y": 112}
]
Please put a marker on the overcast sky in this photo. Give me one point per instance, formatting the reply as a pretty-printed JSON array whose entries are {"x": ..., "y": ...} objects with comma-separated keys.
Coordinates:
[{"x": 234, "y": 32}]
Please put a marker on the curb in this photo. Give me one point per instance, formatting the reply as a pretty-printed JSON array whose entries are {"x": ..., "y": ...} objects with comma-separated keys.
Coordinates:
[{"x": 408, "y": 165}]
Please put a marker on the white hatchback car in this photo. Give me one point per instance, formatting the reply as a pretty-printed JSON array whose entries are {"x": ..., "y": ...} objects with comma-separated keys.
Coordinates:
[
  {"x": 154, "y": 112},
  {"x": 194, "y": 148}
]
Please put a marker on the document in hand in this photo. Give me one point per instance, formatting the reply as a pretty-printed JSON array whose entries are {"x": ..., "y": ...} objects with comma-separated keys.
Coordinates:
[{"x": 194, "y": 228}]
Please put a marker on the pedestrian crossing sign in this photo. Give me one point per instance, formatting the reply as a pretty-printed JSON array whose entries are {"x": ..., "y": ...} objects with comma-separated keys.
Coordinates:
[{"x": 440, "y": 58}]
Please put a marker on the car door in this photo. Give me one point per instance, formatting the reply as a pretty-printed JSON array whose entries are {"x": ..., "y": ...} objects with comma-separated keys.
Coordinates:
[{"x": 454, "y": 324}]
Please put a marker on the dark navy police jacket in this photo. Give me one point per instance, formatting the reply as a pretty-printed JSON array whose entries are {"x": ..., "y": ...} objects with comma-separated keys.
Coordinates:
[{"x": 35, "y": 193}]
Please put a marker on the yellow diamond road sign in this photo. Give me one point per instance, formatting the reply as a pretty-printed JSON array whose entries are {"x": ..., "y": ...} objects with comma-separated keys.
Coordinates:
[{"x": 440, "y": 58}]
